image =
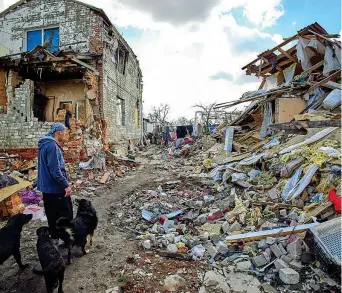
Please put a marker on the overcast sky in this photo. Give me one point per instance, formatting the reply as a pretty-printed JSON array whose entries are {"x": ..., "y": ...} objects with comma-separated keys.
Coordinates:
[{"x": 192, "y": 51}]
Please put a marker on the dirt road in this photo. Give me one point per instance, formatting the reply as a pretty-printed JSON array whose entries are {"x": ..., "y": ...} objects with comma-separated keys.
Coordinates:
[{"x": 100, "y": 269}]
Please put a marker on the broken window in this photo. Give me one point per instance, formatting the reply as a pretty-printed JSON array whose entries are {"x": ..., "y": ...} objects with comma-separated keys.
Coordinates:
[
  {"x": 137, "y": 114},
  {"x": 139, "y": 81},
  {"x": 40, "y": 37},
  {"x": 120, "y": 116},
  {"x": 121, "y": 58}
]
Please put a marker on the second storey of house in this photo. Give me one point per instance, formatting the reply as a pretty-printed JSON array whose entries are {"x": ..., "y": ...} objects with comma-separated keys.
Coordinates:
[{"x": 58, "y": 24}]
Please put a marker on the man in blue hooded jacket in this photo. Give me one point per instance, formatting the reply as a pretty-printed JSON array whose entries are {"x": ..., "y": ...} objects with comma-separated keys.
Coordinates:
[{"x": 53, "y": 179}]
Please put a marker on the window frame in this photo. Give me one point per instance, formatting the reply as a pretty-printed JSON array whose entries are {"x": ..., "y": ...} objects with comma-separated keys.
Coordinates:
[
  {"x": 42, "y": 35},
  {"x": 121, "y": 103}
]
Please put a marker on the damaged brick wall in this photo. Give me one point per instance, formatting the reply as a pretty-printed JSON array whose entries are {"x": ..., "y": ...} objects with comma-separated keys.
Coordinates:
[
  {"x": 19, "y": 129},
  {"x": 118, "y": 86},
  {"x": 76, "y": 22}
]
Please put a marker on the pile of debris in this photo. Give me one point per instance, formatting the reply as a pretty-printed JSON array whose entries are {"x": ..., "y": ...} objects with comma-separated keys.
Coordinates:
[{"x": 267, "y": 201}]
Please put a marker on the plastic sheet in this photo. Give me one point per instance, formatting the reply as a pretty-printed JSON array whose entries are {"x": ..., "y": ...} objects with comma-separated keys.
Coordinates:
[
  {"x": 304, "y": 54},
  {"x": 96, "y": 162},
  {"x": 274, "y": 141},
  {"x": 303, "y": 183},
  {"x": 317, "y": 45},
  {"x": 267, "y": 120},
  {"x": 289, "y": 73},
  {"x": 332, "y": 100},
  {"x": 228, "y": 146},
  {"x": 330, "y": 61},
  {"x": 330, "y": 151},
  {"x": 310, "y": 140},
  {"x": 291, "y": 183},
  {"x": 251, "y": 160},
  {"x": 238, "y": 176}
]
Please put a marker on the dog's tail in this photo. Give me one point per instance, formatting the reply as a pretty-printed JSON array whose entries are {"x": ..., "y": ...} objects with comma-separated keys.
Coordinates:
[
  {"x": 41, "y": 272},
  {"x": 63, "y": 223}
]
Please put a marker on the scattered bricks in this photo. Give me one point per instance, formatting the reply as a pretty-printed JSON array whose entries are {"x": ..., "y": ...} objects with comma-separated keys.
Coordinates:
[
  {"x": 225, "y": 227},
  {"x": 211, "y": 250},
  {"x": 295, "y": 248},
  {"x": 268, "y": 254},
  {"x": 296, "y": 265},
  {"x": 262, "y": 244},
  {"x": 280, "y": 264},
  {"x": 286, "y": 259},
  {"x": 276, "y": 251},
  {"x": 289, "y": 276},
  {"x": 222, "y": 247},
  {"x": 271, "y": 240},
  {"x": 215, "y": 238},
  {"x": 259, "y": 260},
  {"x": 235, "y": 227},
  {"x": 172, "y": 248},
  {"x": 243, "y": 265},
  {"x": 273, "y": 194},
  {"x": 281, "y": 247}
]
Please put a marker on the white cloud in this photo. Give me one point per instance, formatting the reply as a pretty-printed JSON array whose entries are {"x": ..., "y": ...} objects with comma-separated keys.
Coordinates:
[
  {"x": 263, "y": 13},
  {"x": 294, "y": 23}
]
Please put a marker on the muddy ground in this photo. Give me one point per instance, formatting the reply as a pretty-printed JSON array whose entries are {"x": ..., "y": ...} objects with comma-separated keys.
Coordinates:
[{"x": 105, "y": 266}]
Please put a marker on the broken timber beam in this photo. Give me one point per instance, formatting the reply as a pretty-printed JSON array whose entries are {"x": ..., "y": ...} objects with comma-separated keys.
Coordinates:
[
  {"x": 254, "y": 236},
  {"x": 312, "y": 68},
  {"x": 287, "y": 54},
  {"x": 325, "y": 80},
  {"x": 306, "y": 124},
  {"x": 85, "y": 65}
]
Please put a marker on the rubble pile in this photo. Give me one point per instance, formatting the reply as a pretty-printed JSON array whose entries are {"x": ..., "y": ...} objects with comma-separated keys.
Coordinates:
[{"x": 250, "y": 215}]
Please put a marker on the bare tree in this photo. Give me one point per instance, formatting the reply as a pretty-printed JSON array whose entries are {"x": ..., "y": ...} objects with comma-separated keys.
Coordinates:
[
  {"x": 159, "y": 114},
  {"x": 208, "y": 114},
  {"x": 182, "y": 121}
]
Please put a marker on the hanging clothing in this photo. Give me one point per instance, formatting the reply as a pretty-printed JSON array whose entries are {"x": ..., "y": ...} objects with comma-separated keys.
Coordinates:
[
  {"x": 181, "y": 131},
  {"x": 189, "y": 129}
]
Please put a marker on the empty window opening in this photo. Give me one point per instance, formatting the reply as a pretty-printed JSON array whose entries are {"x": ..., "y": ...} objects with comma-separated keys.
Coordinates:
[
  {"x": 39, "y": 105},
  {"x": 120, "y": 110},
  {"x": 121, "y": 58}
]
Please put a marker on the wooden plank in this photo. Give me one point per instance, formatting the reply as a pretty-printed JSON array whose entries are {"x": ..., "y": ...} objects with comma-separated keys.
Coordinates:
[
  {"x": 287, "y": 55},
  {"x": 318, "y": 211},
  {"x": 325, "y": 80},
  {"x": 323, "y": 37},
  {"x": 85, "y": 65},
  {"x": 105, "y": 177},
  {"x": 332, "y": 85},
  {"x": 254, "y": 236},
  {"x": 271, "y": 51},
  {"x": 324, "y": 123},
  {"x": 312, "y": 68},
  {"x": 9, "y": 190},
  {"x": 280, "y": 205}
]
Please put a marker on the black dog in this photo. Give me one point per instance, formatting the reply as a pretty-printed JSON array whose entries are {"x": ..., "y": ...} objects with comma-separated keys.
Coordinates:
[
  {"x": 75, "y": 232},
  {"x": 51, "y": 260},
  {"x": 10, "y": 238}
]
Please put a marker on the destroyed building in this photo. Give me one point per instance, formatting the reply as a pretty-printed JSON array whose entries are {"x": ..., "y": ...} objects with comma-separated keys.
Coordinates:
[
  {"x": 66, "y": 55},
  {"x": 296, "y": 77}
]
